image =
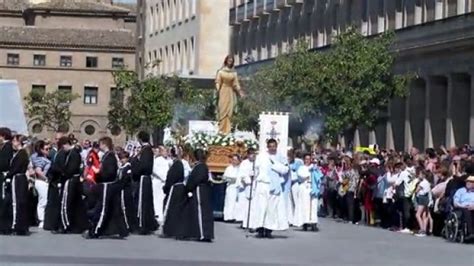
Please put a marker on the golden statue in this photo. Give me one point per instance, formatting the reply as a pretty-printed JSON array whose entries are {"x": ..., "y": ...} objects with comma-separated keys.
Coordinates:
[{"x": 227, "y": 85}]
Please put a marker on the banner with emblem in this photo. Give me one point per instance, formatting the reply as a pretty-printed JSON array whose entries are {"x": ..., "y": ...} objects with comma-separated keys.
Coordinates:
[{"x": 274, "y": 126}]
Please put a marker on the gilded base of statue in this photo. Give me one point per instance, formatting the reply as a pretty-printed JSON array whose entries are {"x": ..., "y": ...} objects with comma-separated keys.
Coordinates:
[{"x": 219, "y": 156}]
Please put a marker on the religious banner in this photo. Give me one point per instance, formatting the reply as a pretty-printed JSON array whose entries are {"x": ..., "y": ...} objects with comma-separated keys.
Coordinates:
[{"x": 274, "y": 126}]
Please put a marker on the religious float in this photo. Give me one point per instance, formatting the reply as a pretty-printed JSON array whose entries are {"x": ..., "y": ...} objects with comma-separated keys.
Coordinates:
[{"x": 220, "y": 147}]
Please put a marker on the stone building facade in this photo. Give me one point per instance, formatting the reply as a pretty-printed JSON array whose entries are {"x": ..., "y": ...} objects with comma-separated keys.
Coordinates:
[
  {"x": 433, "y": 40},
  {"x": 72, "y": 46},
  {"x": 183, "y": 37}
]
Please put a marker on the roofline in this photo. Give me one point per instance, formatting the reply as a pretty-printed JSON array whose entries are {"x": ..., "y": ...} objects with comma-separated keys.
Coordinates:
[
  {"x": 18, "y": 45},
  {"x": 66, "y": 10}
]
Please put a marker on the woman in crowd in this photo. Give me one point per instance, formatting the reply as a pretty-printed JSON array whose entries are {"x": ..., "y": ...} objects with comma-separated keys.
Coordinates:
[
  {"x": 306, "y": 208},
  {"x": 231, "y": 175},
  {"x": 41, "y": 165},
  {"x": 350, "y": 178},
  {"x": 422, "y": 193}
]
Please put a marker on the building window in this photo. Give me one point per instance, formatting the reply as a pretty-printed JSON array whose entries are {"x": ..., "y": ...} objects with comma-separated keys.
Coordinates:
[
  {"x": 115, "y": 130},
  {"x": 116, "y": 95},
  {"x": 37, "y": 128},
  {"x": 117, "y": 62},
  {"x": 13, "y": 59},
  {"x": 89, "y": 129},
  {"x": 65, "y": 61},
  {"x": 37, "y": 92},
  {"x": 91, "y": 61},
  {"x": 39, "y": 60},
  {"x": 90, "y": 95},
  {"x": 66, "y": 90}
]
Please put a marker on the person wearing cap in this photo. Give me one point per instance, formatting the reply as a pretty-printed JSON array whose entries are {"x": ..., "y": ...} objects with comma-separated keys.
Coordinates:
[{"x": 464, "y": 200}]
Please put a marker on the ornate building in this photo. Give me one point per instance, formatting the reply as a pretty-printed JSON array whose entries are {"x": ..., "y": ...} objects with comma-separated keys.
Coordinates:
[
  {"x": 433, "y": 40},
  {"x": 69, "y": 45}
]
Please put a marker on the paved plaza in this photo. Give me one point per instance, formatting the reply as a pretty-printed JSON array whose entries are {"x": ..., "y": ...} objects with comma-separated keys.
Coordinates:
[{"x": 337, "y": 244}]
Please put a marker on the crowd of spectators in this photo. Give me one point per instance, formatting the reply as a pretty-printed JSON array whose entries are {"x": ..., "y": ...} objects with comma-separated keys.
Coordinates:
[{"x": 406, "y": 192}]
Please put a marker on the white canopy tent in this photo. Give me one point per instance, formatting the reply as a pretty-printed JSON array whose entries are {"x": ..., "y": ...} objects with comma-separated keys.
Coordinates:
[{"x": 11, "y": 108}]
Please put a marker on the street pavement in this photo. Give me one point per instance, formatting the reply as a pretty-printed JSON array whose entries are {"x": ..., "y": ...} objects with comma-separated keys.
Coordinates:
[{"x": 336, "y": 244}]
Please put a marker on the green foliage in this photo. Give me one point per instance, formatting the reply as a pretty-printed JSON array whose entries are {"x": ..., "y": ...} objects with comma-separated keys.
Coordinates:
[
  {"x": 156, "y": 102},
  {"x": 50, "y": 109},
  {"x": 348, "y": 85}
]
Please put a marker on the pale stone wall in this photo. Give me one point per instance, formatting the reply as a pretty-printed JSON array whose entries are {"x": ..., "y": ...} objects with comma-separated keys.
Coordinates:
[{"x": 185, "y": 37}]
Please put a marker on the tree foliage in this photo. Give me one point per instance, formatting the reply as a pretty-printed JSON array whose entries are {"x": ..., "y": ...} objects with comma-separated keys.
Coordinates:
[
  {"x": 347, "y": 85},
  {"x": 155, "y": 102},
  {"x": 50, "y": 109}
]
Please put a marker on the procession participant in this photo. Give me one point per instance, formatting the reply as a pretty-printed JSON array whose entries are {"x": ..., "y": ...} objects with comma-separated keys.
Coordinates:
[
  {"x": 175, "y": 193},
  {"x": 41, "y": 165},
  {"x": 198, "y": 220},
  {"x": 126, "y": 197},
  {"x": 142, "y": 169},
  {"x": 55, "y": 146},
  {"x": 73, "y": 207},
  {"x": 231, "y": 175},
  {"x": 306, "y": 209},
  {"x": 6, "y": 154},
  {"x": 108, "y": 217},
  {"x": 161, "y": 165},
  {"x": 16, "y": 190},
  {"x": 269, "y": 210},
  {"x": 92, "y": 163},
  {"x": 247, "y": 174},
  {"x": 295, "y": 164},
  {"x": 56, "y": 177}
]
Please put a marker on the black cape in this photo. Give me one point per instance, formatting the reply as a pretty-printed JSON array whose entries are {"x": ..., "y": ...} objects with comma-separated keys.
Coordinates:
[
  {"x": 108, "y": 217},
  {"x": 15, "y": 209},
  {"x": 197, "y": 217},
  {"x": 175, "y": 199},
  {"x": 142, "y": 168}
]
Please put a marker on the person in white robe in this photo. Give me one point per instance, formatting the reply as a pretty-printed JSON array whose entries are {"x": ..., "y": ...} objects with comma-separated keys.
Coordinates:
[
  {"x": 294, "y": 163},
  {"x": 269, "y": 212},
  {"x": 306, "y": 210},
  {"x": 247, "y": 170},
  {"x": 231, "y": 176},
  {"x": 161, "y": 165}
]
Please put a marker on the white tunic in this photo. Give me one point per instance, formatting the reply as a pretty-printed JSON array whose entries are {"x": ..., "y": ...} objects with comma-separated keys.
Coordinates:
[
  {"x": 306, "y": 208},
  {"x": 270, "y": 210},
  {"x": 231, "y": 176},
  {"x": 161, "y": 166},
  {"x": 246, "y": 173}
]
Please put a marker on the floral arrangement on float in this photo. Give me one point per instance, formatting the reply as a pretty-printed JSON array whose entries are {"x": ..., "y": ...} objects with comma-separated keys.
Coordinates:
[
  {"x": 219, "y": 146},
  {"x": 201, "y": 140}
]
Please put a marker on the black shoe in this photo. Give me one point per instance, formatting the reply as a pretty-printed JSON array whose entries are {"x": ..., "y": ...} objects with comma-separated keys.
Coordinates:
[
  {"x": 267, "y": 233},
  {"x": 305, "y": 227},
  {"x": 58, "y": 232},
  {"x": 5, "y": 232},
  {"x": 260, "y": 233},
  {"x": 88, "y": 235},
  {"x": 205, "y": 240},
  {"x": 21, "y": 232},
  {"x": 315, "y": 228}
]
